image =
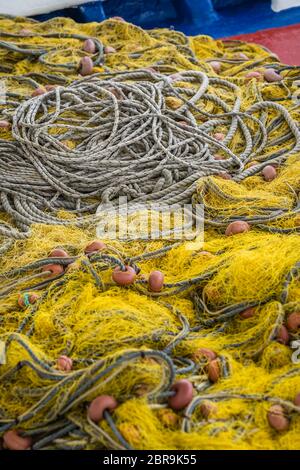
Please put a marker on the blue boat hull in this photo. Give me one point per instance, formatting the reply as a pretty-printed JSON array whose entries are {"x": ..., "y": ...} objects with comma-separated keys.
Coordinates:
[{"x": 217, "y": 18}]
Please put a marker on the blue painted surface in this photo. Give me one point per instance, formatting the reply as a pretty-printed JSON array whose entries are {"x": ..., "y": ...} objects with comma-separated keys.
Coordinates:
[
  {"x": 217, "y": 18},
  {"x": 87, "y": 12},
  {"x": 219, "y": 4},
  {"x": 247, "y": 17}
]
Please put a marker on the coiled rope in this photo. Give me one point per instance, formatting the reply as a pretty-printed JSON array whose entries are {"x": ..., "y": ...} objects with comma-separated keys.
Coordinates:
[{"x": 128, "y": 140}]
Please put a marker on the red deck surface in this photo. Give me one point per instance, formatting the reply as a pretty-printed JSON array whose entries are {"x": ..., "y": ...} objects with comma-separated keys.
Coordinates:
[{"x": 285, "y": 42}]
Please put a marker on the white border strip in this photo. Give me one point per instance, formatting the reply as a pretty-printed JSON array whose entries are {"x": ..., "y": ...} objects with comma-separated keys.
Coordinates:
[
  {"x": 35, "y": 7},
  {"x": 279, "y": 5}
]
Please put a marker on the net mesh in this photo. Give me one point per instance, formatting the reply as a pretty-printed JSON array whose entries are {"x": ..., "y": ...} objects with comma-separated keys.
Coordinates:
[{"x": 129, "y": 342}]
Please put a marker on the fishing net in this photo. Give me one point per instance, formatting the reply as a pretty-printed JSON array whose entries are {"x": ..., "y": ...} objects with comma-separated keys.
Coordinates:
[{"x": 224, "y": 323}]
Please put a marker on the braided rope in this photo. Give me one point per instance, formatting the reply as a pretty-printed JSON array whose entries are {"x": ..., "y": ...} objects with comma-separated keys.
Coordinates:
[{"x": 129, "y": 143}]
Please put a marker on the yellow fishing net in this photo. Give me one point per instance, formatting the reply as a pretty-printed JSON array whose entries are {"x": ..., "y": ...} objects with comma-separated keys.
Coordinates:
[
  {"x": 29, "y": 50},
  {"x": 130, "y": 342}
]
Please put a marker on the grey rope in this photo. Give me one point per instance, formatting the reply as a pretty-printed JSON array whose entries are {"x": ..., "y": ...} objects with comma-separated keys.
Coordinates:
[{"x": 128, "y": 142}]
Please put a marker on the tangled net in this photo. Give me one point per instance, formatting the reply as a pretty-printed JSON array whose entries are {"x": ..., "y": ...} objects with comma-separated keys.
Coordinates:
[
  {"x": 35, "y": 54},
  {"x": 170, "y": 361},
  {"x": 133, "y": 343}
]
